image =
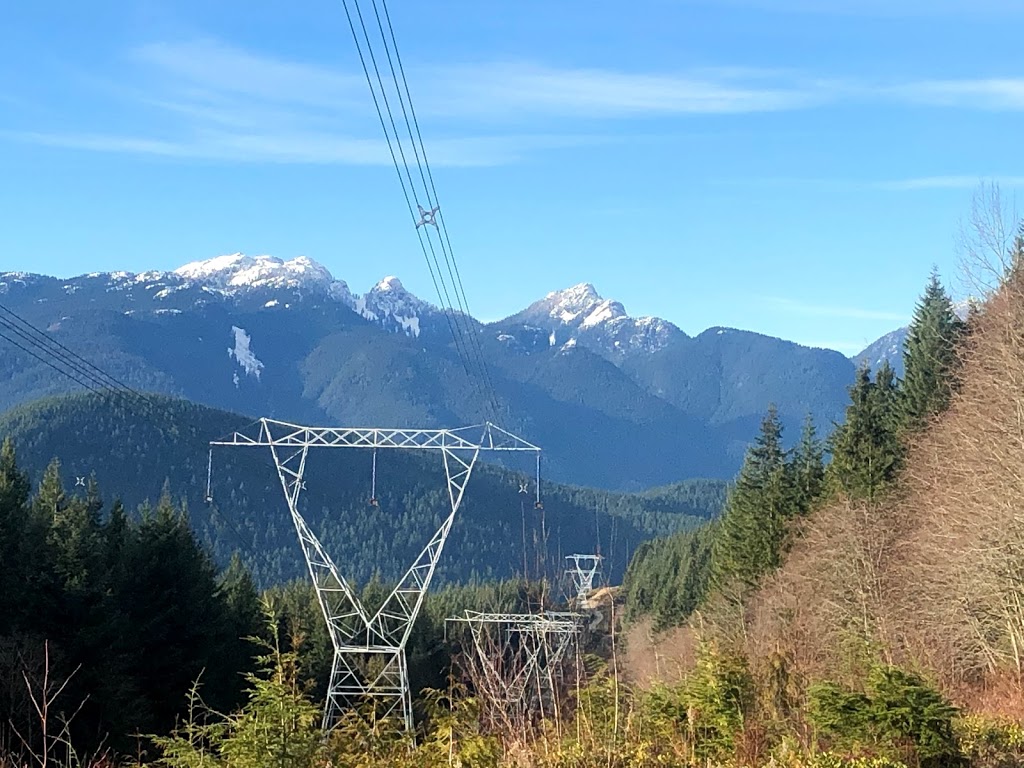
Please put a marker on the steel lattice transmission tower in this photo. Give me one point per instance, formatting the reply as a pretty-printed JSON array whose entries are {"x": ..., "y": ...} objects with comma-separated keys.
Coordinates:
[
  {"x": 584, "y": 570},
  {"x": 515, "y": 661},
  {"x": 355, "y": 634}
]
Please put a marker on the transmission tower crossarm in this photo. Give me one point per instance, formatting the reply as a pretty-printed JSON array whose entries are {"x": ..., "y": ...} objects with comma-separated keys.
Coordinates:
[{"x": 487, "y": 437}]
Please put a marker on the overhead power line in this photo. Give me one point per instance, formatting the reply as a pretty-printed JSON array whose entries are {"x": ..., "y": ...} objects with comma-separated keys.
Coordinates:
[
  {"x": 61, "y": 358},
  {"x": 428, "y": 211}
]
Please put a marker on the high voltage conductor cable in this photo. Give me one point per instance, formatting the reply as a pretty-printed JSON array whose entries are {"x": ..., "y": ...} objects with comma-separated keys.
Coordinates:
[
  {"x": 419, "y": 151},
  {"x": 47, "y": 362},
  {"x": 455, "y": 328},
  {"x": 33, "y": 343},
  {"x": 67, "y": 355},
  {"x": 380, "y": 115},
  {"x": 428, "y": 187},
  {"x": 405, "y": 163},
  {"x": 428, "y": 181}
]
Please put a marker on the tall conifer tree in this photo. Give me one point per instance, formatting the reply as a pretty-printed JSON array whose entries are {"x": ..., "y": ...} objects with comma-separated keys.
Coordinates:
[
  {"x": 866, "y": 450},
  {"x": 930, "y": 356},
  {"x": 15, "y": 546},
  {"x": 749, "y": 543},
  {"x": 808, "y": 467}
]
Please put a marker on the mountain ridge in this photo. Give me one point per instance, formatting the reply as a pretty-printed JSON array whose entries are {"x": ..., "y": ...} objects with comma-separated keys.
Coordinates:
[{"x": 620, "y": 402}]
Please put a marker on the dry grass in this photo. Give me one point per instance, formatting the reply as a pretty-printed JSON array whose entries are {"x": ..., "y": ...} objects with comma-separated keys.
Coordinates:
[{"x": 651, "y": 656}]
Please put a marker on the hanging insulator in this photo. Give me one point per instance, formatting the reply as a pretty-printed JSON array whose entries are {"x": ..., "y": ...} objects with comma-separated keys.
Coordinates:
[
  {"x": 538, "y": 504},
  {"x": 373, "y": 482}
]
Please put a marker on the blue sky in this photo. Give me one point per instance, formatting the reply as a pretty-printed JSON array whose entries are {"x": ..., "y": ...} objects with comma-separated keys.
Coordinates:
[{"x": 793, "y": 167}]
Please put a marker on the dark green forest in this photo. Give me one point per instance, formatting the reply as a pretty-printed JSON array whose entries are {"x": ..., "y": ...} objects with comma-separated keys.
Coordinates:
[
  {"x": 135, "y": 450},
  {"x": 129, "y": 610}
]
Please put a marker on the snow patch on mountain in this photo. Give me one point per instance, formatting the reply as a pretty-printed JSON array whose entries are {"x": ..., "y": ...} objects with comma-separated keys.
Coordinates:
[
  {"x": 243, "y": 354},
  {"x": 602, "y": 313},
  {"x": 391, "y": 305},
  {"x": 234, "y": 272}
]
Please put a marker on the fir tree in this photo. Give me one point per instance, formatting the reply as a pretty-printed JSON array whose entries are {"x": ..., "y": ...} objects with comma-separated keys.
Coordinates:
[
  {"x": 749, "y": 543},
  {"x": 866, "y": 450},
  {"x": 14, "y": 484},
  {"x": 808, "y": 467},
  {"x": 15, "y": 559},
  {"x": 930, "y": 356},
  {"x": 50, "y": 497}
]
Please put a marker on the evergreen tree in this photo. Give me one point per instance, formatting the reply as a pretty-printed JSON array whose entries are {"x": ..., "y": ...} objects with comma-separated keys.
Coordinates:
[
  {"x": 808, "y": 465},
  {"x": 50, "y": 497},
  {"x": 15, "y": 558},
  {"x": 866, "y": 449},
  {"x": 14, "y": 484},
  {"x": 930, "y": 356},
  {"x": 749, "y": 542}
]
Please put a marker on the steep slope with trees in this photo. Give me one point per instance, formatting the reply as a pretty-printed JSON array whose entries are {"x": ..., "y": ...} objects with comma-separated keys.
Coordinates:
[{"x": 888, "y": 621}]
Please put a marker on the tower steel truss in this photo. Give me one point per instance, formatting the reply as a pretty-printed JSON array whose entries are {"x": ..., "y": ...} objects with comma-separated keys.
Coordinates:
[
  {"x": 515, "y": 661},
  {"x": 583, "y": 571},
  {"x": 356, "y": 635}
]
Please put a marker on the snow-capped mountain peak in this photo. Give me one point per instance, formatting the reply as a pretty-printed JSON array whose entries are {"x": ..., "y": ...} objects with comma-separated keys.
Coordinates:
[
  {"x": 571, "y": 305},
  {"x": 395, "y": 308},
  {"x": 237, "y": 271},
  {"x": 580, "y": 313},
  {"x": 389, "y": 283}
]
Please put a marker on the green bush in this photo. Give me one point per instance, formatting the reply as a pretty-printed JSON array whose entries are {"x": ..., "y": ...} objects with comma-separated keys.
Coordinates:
[
  {"x": 990, "y": 743},
  {"x": 898, "y": 709},
  {"x": 718, "y": 694}
]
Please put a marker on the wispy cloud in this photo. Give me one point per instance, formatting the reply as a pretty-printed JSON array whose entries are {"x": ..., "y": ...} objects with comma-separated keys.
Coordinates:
[
  {"x": 480, "y": 151},
  {"x": 913, "y": 184},
  {"x": 208, "y": 99},
  {"x": 793, "y": 306},
  {"x": 525, "y": 89},
  {"x": 1001, "y": 93},
  {"x": 216, "y": 70},
  {"x": 948, "y": 182},
  {"x": 879, "y": 8}
]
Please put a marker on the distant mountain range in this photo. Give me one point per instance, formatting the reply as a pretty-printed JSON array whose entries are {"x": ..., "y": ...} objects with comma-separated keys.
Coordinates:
[
  {"x": 617, "y": 402},
  {"x": 888, "y": 348}
]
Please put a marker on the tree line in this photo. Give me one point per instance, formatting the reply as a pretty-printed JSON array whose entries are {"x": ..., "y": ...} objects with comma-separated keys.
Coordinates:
[{"x": 669, "y": 578}]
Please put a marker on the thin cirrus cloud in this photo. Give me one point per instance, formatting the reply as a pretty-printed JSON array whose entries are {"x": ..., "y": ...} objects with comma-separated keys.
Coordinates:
[
  {"x": 529, "y": 89},
  {"x": 949, "y": 182},
  {"x": 210, "y": 100},
  {"x": 994, "y": 94},
  {"x": 879, "y": 8},
  {"x": 303, "y": 148},
  {"x": 793, "y": 306}
]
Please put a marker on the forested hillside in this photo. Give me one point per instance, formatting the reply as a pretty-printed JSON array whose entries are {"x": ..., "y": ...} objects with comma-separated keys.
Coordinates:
[
  {"x": 134, "y": 450},
  {"x": 871, "y": 606}
]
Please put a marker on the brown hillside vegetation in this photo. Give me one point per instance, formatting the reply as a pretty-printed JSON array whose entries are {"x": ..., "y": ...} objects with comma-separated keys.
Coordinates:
[{"x": 932, "y": 578}]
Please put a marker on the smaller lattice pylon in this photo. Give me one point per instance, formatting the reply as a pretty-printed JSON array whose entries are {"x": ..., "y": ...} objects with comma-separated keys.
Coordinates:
[
  {"x": 584, "y": 571},
  {"x": 515, "y": 661}
]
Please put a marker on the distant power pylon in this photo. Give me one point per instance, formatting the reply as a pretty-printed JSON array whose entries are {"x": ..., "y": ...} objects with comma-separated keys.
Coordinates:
[
  {"x": 515, "y": 662},
  {"x": 583, "y": 571},
  {"x": 355, "y": 634}
]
